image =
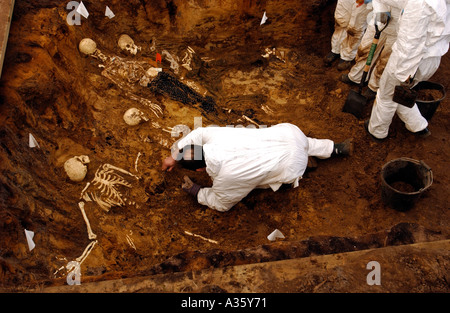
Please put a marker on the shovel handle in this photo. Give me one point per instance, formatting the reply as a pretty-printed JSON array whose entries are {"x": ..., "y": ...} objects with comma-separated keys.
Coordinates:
[
  {"x": 378, "y": 31},
  {"x": 368, "y": 63},
  {"x": 376, "y": 38},
  {"x": 371, "y": 54}
]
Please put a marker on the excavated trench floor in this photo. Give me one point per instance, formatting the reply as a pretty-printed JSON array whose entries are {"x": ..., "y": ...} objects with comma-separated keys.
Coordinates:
[{"x": 71, "y": 107}]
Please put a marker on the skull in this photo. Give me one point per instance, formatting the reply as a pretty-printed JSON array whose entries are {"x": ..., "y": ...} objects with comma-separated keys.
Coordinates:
[
  {"x": 89, "y": 47},
  {"x": 134, "y": 116},
  {"x": 75, "y": 167},
  {"x": 126, "y": 43},
  {"x": 151, "y": 73}
]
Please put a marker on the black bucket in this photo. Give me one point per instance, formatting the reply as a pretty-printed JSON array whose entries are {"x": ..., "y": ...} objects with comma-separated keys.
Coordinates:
[
  {"x": 403, "y": 182},
  {"x": 427, "y": 107}
]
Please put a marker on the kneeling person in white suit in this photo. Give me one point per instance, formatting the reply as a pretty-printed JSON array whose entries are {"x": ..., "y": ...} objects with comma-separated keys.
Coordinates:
[{"x": 239, "y": 160}]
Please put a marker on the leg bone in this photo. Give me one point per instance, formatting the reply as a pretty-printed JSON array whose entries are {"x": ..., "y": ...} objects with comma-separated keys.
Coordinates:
[{"x": 91, "y": 235}]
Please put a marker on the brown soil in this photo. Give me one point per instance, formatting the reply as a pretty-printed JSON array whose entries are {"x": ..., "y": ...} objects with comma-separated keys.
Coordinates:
[
  {"x": 51, "y": 90},
  {"x": 429, "y": 95},
  {"x": 403, "y": 187}
]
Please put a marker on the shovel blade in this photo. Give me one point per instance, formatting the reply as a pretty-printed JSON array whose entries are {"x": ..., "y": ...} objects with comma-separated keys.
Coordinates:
[{"x": 355, "y": 104}]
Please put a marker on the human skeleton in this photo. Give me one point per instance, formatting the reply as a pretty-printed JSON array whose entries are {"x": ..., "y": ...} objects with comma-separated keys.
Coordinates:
[
  {"x": 106, "y": 188},
  {"x": 107, "y": 192},
  {"x": 124, "y": 73}
]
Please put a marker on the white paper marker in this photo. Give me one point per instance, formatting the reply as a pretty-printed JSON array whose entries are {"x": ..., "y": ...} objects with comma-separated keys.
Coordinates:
[
  {"x": 29, "y": 234},
  {"x": 264, "y": 18},
  {"x": 32, "y": 142},
  {"x": 109, "y": 13},
  {"x": 275, "y": 234},
  {"x": 82, "y": 10}
]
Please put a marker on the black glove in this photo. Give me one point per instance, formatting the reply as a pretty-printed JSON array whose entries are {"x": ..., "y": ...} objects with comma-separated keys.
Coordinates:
[
  {"x": 404, "y": 95},
  {"x": 190, "y": 187},
  {"x": 382, "y": 17}
]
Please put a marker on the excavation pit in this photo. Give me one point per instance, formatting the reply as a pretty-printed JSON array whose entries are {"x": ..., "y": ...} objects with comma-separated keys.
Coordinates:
[{"x": 73, "y": 106}]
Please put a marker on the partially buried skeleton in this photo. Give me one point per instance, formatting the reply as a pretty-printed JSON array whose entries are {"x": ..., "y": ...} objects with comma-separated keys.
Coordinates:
[
  {"x": 108, "y": 185},
  {"x": 127, "y": 74}
]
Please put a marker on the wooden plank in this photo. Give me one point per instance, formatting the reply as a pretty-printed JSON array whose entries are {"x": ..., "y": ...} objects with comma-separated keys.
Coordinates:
[{"x": 6, "y": 11}]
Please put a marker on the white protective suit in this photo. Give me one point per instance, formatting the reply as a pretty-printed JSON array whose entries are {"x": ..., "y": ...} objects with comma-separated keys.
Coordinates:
[
  {"x": 350, "y": 24},
  {"x": 239, "y": 160},
  {"x": 382, "y": 52},
  {"x": 423, "y": 38}
]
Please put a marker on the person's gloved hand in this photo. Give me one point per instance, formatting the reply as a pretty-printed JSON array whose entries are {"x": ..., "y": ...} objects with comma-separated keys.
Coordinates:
[
  {"x": 361, "y": 2},
  {"x": 190, "y": 187},
  {"x": 168, "y": 164},
  {"x": 382, "y": 18},
  {"x": 409, "y": 83}
]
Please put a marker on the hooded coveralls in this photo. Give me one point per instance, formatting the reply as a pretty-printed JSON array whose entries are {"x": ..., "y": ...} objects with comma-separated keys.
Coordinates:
[
  {"x": 239, "y": 160},
  {"x": 350, "y": 24},
  {"x": 382, "y": 52},
  {"x": 423, "y": 38}
]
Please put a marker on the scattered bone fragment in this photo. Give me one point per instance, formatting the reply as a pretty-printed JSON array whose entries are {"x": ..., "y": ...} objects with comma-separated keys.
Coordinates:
[
  {"x": 136, "y": 161},
  {"x": 58, "y": 270},
  {"x": 279, "y": 54},
  {"x": 267, "y": 109},
  {"x": 250, "y": 120},
  {"x": 130, "y": 242},
  {"x": 201, "y": 237}
]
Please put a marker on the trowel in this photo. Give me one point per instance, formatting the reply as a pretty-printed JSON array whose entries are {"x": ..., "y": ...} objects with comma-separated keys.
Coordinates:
[{"x": 356, "y": 102}]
